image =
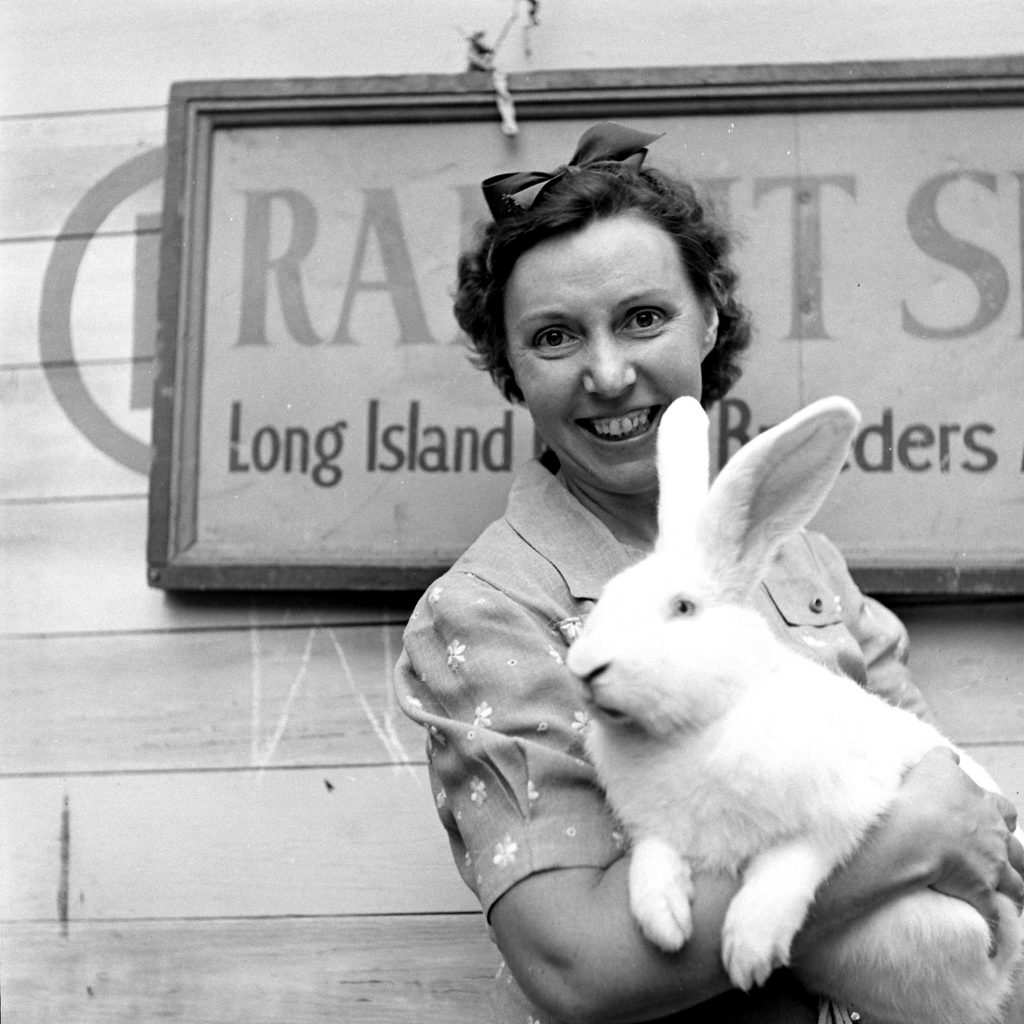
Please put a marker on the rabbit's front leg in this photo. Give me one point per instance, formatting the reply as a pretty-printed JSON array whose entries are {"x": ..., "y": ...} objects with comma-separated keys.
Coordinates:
[
  {"x": 770, "y": 908},
  {"x": 660, "y": 890}
]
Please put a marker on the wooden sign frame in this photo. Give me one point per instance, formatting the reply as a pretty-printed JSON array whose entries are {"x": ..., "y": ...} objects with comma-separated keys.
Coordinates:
[{"x": 202, "y": 112}]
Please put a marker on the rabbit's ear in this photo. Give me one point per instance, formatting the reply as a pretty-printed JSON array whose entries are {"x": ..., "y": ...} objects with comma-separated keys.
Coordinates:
[
  {"x": 683, "y": 470},
  {"x": 771, "y": 487}
]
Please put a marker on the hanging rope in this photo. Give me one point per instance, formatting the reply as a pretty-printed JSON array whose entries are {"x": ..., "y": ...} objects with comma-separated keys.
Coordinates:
[{"x": 483, "y": 57}]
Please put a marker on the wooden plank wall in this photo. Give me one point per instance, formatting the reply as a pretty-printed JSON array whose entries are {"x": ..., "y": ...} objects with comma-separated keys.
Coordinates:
[{"x": 210, "y": 808}]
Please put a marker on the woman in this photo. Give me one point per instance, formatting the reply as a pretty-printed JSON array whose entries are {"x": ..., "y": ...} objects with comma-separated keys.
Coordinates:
[{"x": 599, "y": 294}]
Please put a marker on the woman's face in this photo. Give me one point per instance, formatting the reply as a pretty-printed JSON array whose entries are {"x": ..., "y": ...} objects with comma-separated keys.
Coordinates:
[{"x": 604, "y": 330}]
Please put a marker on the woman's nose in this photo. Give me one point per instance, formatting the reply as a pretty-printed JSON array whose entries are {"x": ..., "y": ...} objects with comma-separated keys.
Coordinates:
[{"x": 609, "y": 370}]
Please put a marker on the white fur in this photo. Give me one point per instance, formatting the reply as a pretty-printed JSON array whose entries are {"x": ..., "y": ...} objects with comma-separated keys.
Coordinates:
[{"x": 724, "y": 750}]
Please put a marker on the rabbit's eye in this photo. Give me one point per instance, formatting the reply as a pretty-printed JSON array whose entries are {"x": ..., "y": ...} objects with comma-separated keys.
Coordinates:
[{"x": 683, "y": 606}]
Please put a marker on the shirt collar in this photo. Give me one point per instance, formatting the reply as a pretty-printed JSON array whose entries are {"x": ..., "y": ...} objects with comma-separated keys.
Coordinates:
[{"x": 543, "y": 512}]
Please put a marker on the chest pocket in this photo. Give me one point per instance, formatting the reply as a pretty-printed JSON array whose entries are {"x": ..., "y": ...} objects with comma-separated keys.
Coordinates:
[
  {"x": 798, "y": 590},
  {"x": 802, "y": 603},
  {"x": 807, "y": 612}
]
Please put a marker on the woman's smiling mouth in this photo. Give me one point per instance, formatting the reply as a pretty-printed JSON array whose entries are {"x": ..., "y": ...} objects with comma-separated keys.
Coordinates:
[{"x": 621, "y": 428}]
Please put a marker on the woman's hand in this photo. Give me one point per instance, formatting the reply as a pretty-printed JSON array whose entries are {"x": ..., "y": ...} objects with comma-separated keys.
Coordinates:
[
  {"x": 942, "y": 831},
  {"x": 970, "y": 831}
]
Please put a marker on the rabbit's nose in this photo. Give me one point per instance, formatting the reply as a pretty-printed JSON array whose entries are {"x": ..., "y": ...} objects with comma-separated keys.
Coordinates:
[
  {"x": 585, "y": 662},
  {"x": 590, "y": 678}
]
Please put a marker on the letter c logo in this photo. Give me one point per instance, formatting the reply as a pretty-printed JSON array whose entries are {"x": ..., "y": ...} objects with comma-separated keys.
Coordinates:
[{"x": 56, "y": 346}]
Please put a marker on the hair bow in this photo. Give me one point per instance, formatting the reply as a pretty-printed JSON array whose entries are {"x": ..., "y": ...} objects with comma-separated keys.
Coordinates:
[{"x": 518, "y": 190}]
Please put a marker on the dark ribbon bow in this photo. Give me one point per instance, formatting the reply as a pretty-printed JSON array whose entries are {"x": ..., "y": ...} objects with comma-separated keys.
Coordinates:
[{"x": 516, "y": 191}]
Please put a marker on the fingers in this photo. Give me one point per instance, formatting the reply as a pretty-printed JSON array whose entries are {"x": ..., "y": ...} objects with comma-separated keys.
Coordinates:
[
  {"x": 980, "y": 859},
  {"x": 1010, "y": 885},
  {"x": 1011, "y": 882},
  {"x": 1006, "y": 810},
  {"x": 949, "y": 752},
  {"x": 985, "y": 903},
  {"x": 1015, "y": 852}
]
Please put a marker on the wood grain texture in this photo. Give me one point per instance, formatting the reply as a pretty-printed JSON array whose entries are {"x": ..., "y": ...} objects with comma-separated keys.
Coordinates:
[
  {"x": 274, "y": 843},
  {"x": 46, "y": 456},
  {"x": 306, "y": 694},
  {"x": 206, "y": 699},
  {"x": 22, "y": 268},
  {"x": 79, "y": 567},
  {"x": 53, "y": 165},
  {"x": 78, "y": 299},
  {"x": 969, "y": 659},
  {"x": 359, "y": 970}
]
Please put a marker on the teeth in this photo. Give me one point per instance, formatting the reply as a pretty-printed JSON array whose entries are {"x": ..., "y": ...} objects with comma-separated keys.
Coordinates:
[{"x": 622, "y": 426}]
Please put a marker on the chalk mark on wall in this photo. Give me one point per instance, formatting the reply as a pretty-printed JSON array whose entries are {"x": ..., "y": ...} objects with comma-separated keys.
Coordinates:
[
  {"x": 384, "y": 732},
  {"x": 391, "y": 708},
  {"x": 286, "y": 709}
]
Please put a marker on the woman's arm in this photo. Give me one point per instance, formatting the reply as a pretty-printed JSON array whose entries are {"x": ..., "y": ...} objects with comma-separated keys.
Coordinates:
[{"x": 570, "y": 941}]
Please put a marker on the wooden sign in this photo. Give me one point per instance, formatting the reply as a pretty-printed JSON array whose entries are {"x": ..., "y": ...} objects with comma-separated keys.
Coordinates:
[{"x": 317, "y": 422}]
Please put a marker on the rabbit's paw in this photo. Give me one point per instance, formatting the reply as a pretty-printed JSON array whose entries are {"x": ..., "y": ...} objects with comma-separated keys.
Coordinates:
[
  {"x": 663, "y": 913},
  {"x": 754, "y": 942},
  {"x": 660, "y": 891}
]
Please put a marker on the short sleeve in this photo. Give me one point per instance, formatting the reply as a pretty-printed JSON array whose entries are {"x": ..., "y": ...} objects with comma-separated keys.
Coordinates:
[
  {"x": 880, "y": 635},
  {"x": 505, "y": 720}
]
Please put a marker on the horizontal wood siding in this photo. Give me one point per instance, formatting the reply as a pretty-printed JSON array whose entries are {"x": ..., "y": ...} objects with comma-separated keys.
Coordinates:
[
  {"x": 226, "y": 844},
  {"x": 212, "y": 808},
  {"x": 397, "y": 970},
  {"x": 236, "y": 698}
]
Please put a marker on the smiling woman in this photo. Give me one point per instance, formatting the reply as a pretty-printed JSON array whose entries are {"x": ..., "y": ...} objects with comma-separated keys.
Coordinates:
[
  {"x": 599, "y": 294},
  {"x": 604, "y": 330}
]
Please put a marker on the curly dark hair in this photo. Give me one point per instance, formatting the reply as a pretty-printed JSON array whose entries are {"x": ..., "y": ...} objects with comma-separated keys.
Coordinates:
[{"x": 579, "y": 197}]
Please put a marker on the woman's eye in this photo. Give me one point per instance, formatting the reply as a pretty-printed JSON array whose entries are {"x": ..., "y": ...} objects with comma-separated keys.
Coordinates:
[
  {"x": 551, "y": 338},
  {"x": 645, "y": 319}
]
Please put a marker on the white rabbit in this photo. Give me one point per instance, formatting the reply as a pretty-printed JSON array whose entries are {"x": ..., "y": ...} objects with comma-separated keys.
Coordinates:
[{"x": 722, "y": 748}]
